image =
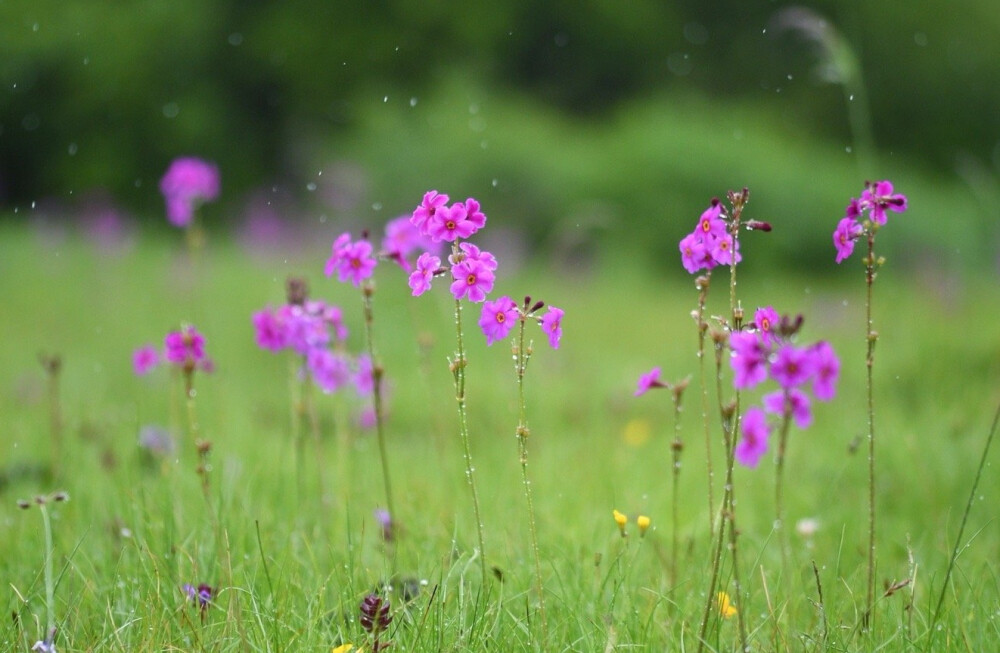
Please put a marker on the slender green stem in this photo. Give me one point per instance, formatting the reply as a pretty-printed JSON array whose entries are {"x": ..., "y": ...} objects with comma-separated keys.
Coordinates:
[
  {"x": 871, "y": 337},
  {"x": 961, "y": 529},
  {"x": 367, "y": 294},
  {"x": 779, "y": 482},
  {"x": 458, "y": 370},
  {"x": 703, "y": 284},
  {"x": 676, "y": 447},
  {"x": 522, "y": 355},
  {"x": 49, "y": 577}
]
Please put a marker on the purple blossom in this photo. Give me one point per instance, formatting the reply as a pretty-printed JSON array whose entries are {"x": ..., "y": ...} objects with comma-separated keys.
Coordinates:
[
  {"x": 364, "y": 377},
  {"x": 749, "y": 359},
  {"x": 792, "y": 366},
  {"x": 473, "y": 280},
  {"x": 827, "y": 370},
  {"x": 878, "y": 197},
  {"x": 187, "y": 183},
  {"x": 753, "y": 445},
  {"x": 420, "y": 279},
  {"x": 431, "y": 204},
  {"x": 799, "y": 406},
  {"x": 305, "y": 331},
  {"x": 450, "y": 223},
  {"x": 329, "y": 370},
  {"x": 353, "y": 261},
  {"x": 270, "y": 329},
  {"x": 724, "y": 252},
  {"x": 766, "y": 319},
  {"x": 144, "y": 359},
  {"x": 552, "y": 325},
  {"x": 384, "y": 520},
  {"x": 402, "y": 238},
  {"x": 469, "y": 252},
  {"x": 648, "y": 381},
  {"x": 331, "y": 316},
  {"x": 185, "y": 348},
  {"x": 200, "y": 596},
  {"x": 845, "y": 235},
  {"x": 473, "y": 213},
  {"x": 710, "y": 225},
  {"x": 498, "y": 318},
  {"x": 709, "y": 244}
]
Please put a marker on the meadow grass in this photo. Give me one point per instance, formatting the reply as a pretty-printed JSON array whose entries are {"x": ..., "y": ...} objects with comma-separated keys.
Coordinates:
[{"x": 291, "y": 558}]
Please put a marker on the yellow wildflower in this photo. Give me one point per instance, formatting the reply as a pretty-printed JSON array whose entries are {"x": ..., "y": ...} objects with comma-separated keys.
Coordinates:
[
  {"x": 643, "y": 523},
  {"x": 621, "y": 520},
  {"x": 726, "y": 608},
  {"x": 346, "y": 648}
]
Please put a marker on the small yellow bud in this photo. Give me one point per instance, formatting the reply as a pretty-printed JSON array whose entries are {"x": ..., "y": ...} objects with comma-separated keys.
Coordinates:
[
  {"x": 643, "y": 522},
  {"x": 726, "y": 608},
  {"x": 621, "y": 520}
]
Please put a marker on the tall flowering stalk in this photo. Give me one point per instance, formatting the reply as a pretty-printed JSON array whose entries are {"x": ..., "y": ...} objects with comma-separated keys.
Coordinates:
[
  {"x": 497, "y": 319},
  {"x": 188, "y": 183},
  {"x": 862, "y": 220},
  {"x": 472, "y": 274},
  {"x": 47, "y": 644},
  {"x": 354, "y": 262}
]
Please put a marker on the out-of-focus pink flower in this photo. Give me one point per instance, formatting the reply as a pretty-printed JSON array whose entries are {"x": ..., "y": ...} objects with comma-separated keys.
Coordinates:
[
  {"x": 144, "y": 359},
  {"x": 749, "y": 359},
  {"x": 798, "y": 405},
  {"x": 433, "y": 201},
  {"x": 845, "y": 235},
  {"x": 552, "y": 325},
  {"x": 878, "y": 197},
  {"x": 188, "y": 182},
  {"x": 792, "y": 366},
  {"x": 648, "y": 381},
  {"x": 753, "y": 445},
  {"x": 185, "y": 347},
  {"x": 270, "y": 330},
  {"x": 364, "y": 377},
  {"x": 827, "y": 370},
  {"x": 420, "y": 279},
  {"x": 352, "y": 261},
  {"x": 330, "y": 371}
]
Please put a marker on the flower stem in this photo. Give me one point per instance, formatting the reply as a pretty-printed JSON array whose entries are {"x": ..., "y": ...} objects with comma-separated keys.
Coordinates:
[
  {"x": 522, "y": 355},
  {"x": 779, "y": 484},
  {"x": 676, "y": 447},
  {"x": 458, "y": 370},
  {"x": 367, "y": 293},
  {"x": 49, "y": 577},
  {"x": 702, "y": 284},
  {"x": 871, "y": 337}
]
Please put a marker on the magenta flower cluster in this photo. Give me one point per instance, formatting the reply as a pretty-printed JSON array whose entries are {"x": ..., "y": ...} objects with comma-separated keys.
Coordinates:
[
  {"x": 353, "y": 261},
  {"x": 315, "y": 331},
  {"x": 863, "y": 212},
  {"x": 766, "y": 351},
  {"x": 184, "y": 348},
  {"x": 710, "y": 244},
  {"x": 499, "y": 316},
  {"x": 188, "y": 183}
]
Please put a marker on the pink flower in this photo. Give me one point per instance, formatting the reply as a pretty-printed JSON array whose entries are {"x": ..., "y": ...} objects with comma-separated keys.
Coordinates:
[
  {"x": 827, "y": 370},
  {"x": 144, "y": 359},
  {"x": 470, "y": 252},
  {"x": 552, "y": 325},
  {"x": 749, "y": 359},
  {"x": 753, "y": 445},
  {"x": 364, "y": 378},
  {"x": 766, "y": 319},
  {"x": 402, "y": 238},
  {"x": 270, "y": 330},
  {"x": 878, "y": 197},
  {"x": 472, "y": 280},
  {"x": 187, "y": 183},
  {"x": 450, "y": 223},
  {"x": 331, "y": 315},
  {"x": 185, "y": 348},
  {"x": 792, "y": 366},
  {"x": 304, "y": 330},
  {"x": 799, "y": 406},
  {"x": 648, "y": 381},
  {"x": 694, "y": 256},
  {"x": 710, "y": 225},
  {"x": 330, "y": 371},
  {"x": 353, "y": 261},
  {"x": 431, "y": 204},
  {"x": 473, "y": 214},
  {"x": 724, "y": 252},
  {"x": 420, "y": 279},
  {"x": 844, "y": 236},
  {"x": 498, "y": 318}
]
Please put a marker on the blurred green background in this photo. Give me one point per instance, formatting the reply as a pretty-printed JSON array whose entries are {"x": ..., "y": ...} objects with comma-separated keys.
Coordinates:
[{"x": 584, "y": 127}]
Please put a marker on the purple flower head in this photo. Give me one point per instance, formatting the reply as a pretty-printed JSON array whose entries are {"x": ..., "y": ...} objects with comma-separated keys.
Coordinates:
[
  {"x": 331, "y": 315},
  {"x": 710, "y": 225},
  {"x": 431, "y": 204},
  {"x": 844, "y": 236},
  {"x": 420, "y": 279},
  {"x": 878, "y": 197},
  {"x": 156, "y": 440},
  {"x": 694, "y": 254},
  {"x": 270, "y": 330},
  {"x": 473, "y": 213},
  {"x": 187, "y": 183},
  {"x": 552, "y": 325},
  {"x": 473, "y": 280},
  {"x": 330, "y": 371},
  {"x": 725, "y": 250},
  {"x": 827, "y": 370},
  {"x": 353, "y": 261},
  {"x": 403, "y": 238},
  {"x": 144, "y": 359},
  {"x": 792, "y": 366},
  {"x": 450, "y": 223},
  {"x": 648, "y": 381},
  {"x": 384, "y": 520},
  {"x": 498, "y": 318},
  {"x": 200, "y": 596},
  {"x": 304, "y": 330},
  {"x": 853, "y": 210},
  {"x": 185, "y": 348},
  {"x": 749, "y": 359},
  {"x": 469, "y": 252},
  {"x": 766, "y": 320},
  {"x": 799, "y": 407},
  {"x": 753, "y": 445}
]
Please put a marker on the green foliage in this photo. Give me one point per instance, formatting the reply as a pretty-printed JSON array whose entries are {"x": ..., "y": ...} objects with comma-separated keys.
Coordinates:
[{"x": 291, "y": 566}]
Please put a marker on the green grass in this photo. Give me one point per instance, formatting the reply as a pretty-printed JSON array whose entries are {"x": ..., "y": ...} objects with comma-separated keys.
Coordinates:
[{"x": 293, "y": 555}]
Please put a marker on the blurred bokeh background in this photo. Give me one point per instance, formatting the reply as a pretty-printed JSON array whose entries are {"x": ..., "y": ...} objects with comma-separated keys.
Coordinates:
[{"x": 584, "y": 127}]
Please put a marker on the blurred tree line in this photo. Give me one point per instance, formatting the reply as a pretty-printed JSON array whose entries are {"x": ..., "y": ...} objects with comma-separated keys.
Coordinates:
[{"x": 98, "y": 94}]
